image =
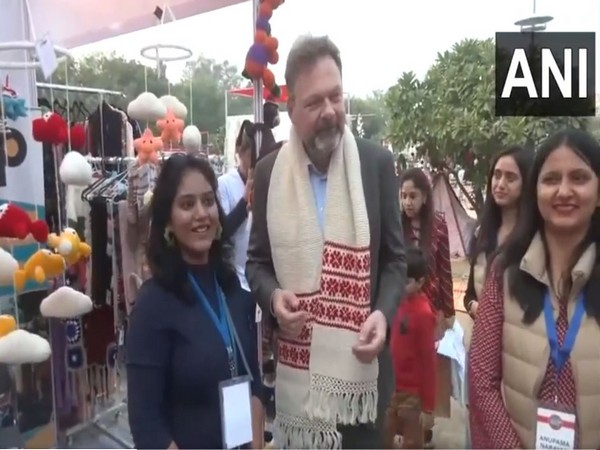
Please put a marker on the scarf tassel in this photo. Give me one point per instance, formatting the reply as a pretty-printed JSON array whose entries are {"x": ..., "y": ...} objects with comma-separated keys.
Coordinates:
[
  {"x": 345, "y": 409},
  {"x": 289, "y": 436}
]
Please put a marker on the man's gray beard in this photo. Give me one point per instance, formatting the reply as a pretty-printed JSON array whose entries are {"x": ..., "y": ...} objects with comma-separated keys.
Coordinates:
[{"x": 325, "y": 143}]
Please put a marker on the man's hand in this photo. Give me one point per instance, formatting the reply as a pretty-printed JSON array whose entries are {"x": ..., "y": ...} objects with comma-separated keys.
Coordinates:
[
  {"x": 371, "y": 338},
  {"x": 426, "y": 420},
  {"x": 473, "y": 309},
  {"x": 285, "y": 309}
]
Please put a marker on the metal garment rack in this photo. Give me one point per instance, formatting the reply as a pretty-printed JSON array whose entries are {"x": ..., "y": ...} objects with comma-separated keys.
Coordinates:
[
  {"x": 78, "y": 89},
  {"x": 95, "y": 422}
]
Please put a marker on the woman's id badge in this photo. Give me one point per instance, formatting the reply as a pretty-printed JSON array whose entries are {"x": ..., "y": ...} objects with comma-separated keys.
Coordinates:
[
  {"x": 236, "y": 412},
  {"x": 555, "y": 428}
]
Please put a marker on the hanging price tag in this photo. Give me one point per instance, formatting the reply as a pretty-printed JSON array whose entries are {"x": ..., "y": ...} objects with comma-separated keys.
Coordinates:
[{"x": 46, "y": 56}]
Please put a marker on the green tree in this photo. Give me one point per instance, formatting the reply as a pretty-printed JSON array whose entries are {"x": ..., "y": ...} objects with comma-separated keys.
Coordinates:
[
  {"x": 373, "y": 114},
  {"x": 449, "y": 115}
]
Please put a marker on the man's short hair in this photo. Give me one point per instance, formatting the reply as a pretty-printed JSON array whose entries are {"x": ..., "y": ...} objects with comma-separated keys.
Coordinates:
[
  {"x": 416, "y": 263},
  {"x": 305, "y": 53}
]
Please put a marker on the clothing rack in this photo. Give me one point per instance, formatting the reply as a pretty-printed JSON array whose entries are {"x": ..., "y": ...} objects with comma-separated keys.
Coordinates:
[
  {"x": 96, "y": 423},
  {"x": 78, "y": 89},
  {"x": 122, "y": 159}
]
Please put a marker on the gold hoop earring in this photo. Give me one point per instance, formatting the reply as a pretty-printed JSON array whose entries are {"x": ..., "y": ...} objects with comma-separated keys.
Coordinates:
[{"x": 169, "y": 238}]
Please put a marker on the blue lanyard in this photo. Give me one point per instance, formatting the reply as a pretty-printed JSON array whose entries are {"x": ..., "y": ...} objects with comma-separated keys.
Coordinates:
[
  {"x": 221, "y": 322},
  {"x": 560, "y": 355}
]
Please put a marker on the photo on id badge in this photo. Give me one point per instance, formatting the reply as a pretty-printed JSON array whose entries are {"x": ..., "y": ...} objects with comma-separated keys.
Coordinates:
[
  {"x": 556, "y": 427},
  {"x": 236, "y": 412}
]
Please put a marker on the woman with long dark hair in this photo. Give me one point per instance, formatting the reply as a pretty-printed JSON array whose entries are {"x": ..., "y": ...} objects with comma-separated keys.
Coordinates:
[
  {"x": 534, "y": 361},
  {"x": 427, "y": 229},
  {"x": 193, "y": 326},
  {"x": 505, "y": 180}
]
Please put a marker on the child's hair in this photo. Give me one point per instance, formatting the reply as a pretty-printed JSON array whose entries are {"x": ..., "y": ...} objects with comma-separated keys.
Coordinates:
[{"x": 416, "y": 264}]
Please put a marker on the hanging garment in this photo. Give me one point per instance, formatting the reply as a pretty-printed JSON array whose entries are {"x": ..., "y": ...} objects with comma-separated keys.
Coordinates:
[
  {"x": 128, "y": 256},
  {"x": 106, "y": 131},
  {"x": 141, "y": 180},
  {"x": 99, "y": 338},
  {"x": 101, "y": 262}
]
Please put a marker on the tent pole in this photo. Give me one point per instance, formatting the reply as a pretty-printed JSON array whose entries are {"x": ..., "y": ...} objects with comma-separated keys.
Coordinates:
[{"x": 258, "y": 118}]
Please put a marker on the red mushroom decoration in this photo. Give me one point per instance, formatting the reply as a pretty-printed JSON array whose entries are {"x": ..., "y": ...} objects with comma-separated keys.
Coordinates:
[{"x": 264, "y": 49}]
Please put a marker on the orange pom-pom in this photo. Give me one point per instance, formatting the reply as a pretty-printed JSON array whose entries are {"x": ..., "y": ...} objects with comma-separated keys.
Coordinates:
[
  {"x": 274, "y": 58},
  {"x": 268, "y": 79},
  {"x": 271, "y": 44},
  {"x": 254, "y": 70},
  {"x": 273, "y": 3},
  {"x": 260, "y": 36},
  {"x": 265, "y": 10}
]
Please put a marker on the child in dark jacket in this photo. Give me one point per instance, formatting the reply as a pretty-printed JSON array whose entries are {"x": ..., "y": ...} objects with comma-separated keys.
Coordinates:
[{"x": 413, "y": 337}]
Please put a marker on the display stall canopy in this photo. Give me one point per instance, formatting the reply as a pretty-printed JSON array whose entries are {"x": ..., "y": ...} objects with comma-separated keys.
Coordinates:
[
  {"x": 73, "y": 23},
  {"x": 249, "y": 92}
]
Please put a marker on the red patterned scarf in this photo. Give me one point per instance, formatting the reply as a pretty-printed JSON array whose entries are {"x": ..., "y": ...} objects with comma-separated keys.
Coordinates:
[{"x": 320, "y": 383}]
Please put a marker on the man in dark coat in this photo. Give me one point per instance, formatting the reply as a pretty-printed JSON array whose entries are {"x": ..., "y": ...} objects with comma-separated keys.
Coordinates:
[{"x": 317, "y": 111}]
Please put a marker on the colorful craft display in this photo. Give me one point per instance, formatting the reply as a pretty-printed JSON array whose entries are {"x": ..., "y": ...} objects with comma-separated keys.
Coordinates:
[
  {"x": 264, "y": 49},
  {"x": 8, "y": 324},
  {"x": 147, "y": 147},
  {"x": 66, "y": 303},
  {"x": 174, "y": 104},
  {"x": 8, "y": 266},
  {"x": 146, "y": 107},
  {"x": 53, "y": 129},
  {"x": 75, "y": 170},
  {"x": 192, "y": 139},
  {"x": 15, "y": 223},
  {"x": 170, "y": 128},
  {"x": 23, "y": 347},
  {"x": 41, "y": 266},
  {"x": 12, "y": 105},
  {"x": 69, "y": 245}
]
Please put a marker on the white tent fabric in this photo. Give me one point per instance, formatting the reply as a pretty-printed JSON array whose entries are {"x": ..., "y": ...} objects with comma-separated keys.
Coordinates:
[
  {"x": 461, "y": 226},
  {"x": 78, "y": 22}
]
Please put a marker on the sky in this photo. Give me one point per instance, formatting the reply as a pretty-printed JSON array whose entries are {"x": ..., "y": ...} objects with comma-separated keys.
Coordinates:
[{"x": 378, "y": 39}]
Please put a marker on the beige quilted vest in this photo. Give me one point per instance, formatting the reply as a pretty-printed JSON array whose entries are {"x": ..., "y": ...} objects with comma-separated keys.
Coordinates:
[{"x": 526, "y": 352}]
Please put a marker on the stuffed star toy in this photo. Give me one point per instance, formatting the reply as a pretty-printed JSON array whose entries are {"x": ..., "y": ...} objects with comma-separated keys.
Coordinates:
[
  {"x": 171, "y": 128},
  {"x": 147, "y": 147}
]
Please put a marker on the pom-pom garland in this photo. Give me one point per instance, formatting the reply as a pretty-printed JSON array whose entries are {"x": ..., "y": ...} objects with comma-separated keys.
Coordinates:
[{"x": 264, "y": 49}]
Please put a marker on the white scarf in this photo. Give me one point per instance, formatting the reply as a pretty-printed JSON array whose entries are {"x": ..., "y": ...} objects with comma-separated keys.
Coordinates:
[{"x": 320, "y": 383}]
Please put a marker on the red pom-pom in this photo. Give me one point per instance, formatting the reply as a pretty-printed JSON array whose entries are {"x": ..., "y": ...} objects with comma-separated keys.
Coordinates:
[
  {"x": 265, "y": 10},
  {"x": 15, "y": 223},
  {"x": 77, "y": 137},
  {"x": 39, "y": 130},
  {"x": 39, "y": 231},
  {"x": 57, "y": 129},
  {"x": 271, "y": 44},
  {"x": 274, "y": 58},
  {"x": 268, "y": 79},
  {"x": 274, "y": 3},
  {"x": 254, "y": 70}
]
